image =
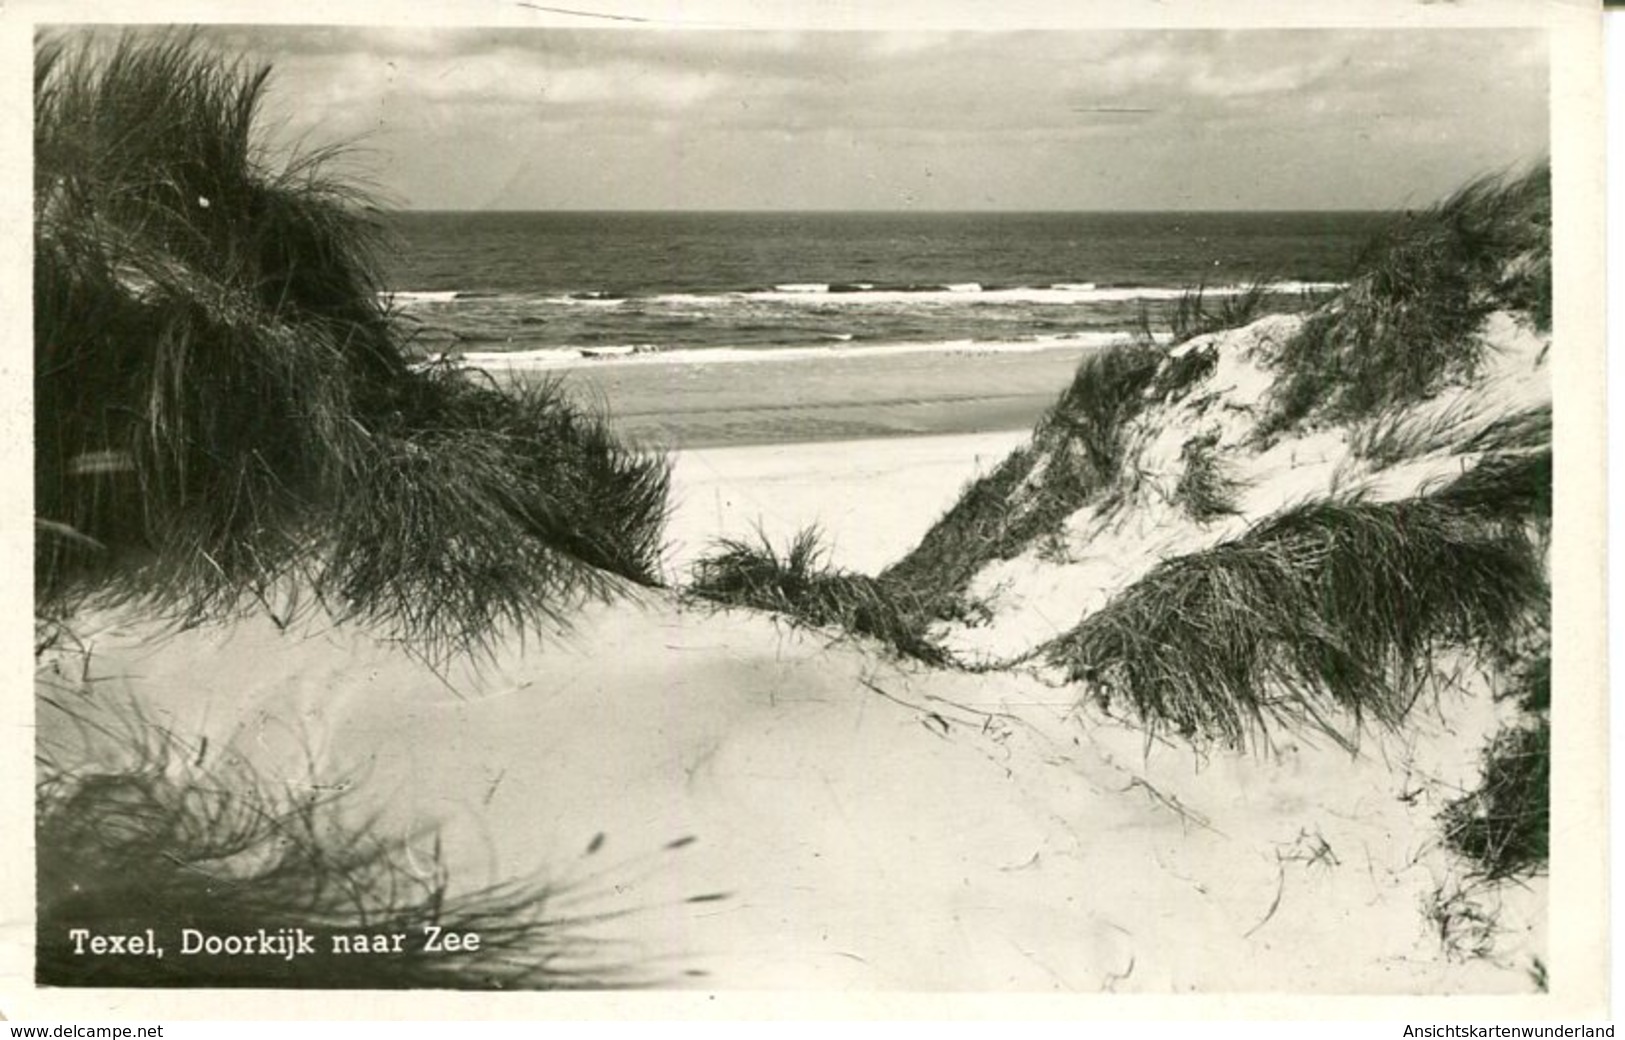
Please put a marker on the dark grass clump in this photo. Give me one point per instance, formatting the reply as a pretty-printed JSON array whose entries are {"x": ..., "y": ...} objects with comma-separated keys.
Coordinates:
[
  {"x": 1533, "y": 686},
  {"x": 1196, "y": 314},
  {"x": 1332, "y": 606},
  {"x": 152, "y": 837},
  {"x": 1511, "y": 490},
  {"x": 1107, "y": 391},
  {"x": 580, "y": 488},
  {"x": 224, "y": 410},
  {"x": 1397, "y": 434},
  {"x": 204, "y": 322},
  {"x": 800, "y": 586},
  {"x": 493, "y": 508},
  {"x": 1204, "y": 491},
  {"x": 977, "y": 529},
  {"x": 1504, "y": 825},
  {"x": 1076, "y": 453},
  {"x": 1408, "y": 322},
  {"x": 1181, "y": 371},
  {"x": 1528, "y": 430}
]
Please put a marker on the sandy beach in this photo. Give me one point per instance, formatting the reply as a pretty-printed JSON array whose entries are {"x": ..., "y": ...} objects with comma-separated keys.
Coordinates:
[
  {"x": 871, "y": 449},
  {"x": 872, "y": 499},
  {"x": 758, "y": 805},
  {"x": 1198, "y": 649},
  {"x": 803, "y": 399}
]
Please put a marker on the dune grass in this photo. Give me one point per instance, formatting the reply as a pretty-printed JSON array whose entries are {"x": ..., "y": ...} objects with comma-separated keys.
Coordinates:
[
  {"x": 799, "y": 585},
  {"x": 1076, "y": 453},
  {"x": 147, "y": 833},
  {"x": 977, "y": 529},
  {"x": 1504, "y": 824},
  {"x": 494, "y": 509},
  {"x": 1078, "y": 449},
  {"x": 1336, "y": 607},
  {"x": 1106, "y": 391},
  {"x": 1197, "y": 314},
  {"x": 1400, "y": 433},
  {"x": 1408, "y": 322},
  {"x": 1511, "y": 491},
  {"x": 224, "y": 409},
  {"x": 1204, "y": 490},
  {"x": 1182, "y": 370},
  {"x": 186, "y": 397}
]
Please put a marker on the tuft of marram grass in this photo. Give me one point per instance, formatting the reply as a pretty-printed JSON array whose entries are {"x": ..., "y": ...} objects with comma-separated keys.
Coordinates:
[
  {"x": 1204, "y": 490},
  {"x": 1195, "y": 313},
  {"x": 1182, "y": 370},
  {"x": 185, "y": 398},
  {"x": 1399, "y": 432},
  {"x": 802, "y": 587},
  {"x": 1077, "y": 452},
  {"x": 1107, "y": 390},
  {"x": 1504, "y": 824},
  {"x": 975, "y": 530},
  {"x": 496, "y": 508},
  {"x": 1331, "y": 607},
  {"x": 1199, "y": 311},
  {"x": 224, "y": 409},
  {"x": 1533, "y": 685},
  {"x": 1408, "y": 322},
  {"x": 1511, "y": 490},
  {"x": 149, "y": 835}
]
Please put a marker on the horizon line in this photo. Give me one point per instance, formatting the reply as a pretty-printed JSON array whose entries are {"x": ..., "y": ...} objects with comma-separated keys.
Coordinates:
[{"x": 717, "y": 211}]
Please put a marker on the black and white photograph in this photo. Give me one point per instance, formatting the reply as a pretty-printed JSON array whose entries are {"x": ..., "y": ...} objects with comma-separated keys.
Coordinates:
[{"x": 529, "y": 499}]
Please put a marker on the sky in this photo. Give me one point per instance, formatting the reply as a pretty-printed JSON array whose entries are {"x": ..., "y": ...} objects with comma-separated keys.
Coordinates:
[{"x": 518, "y": 119}]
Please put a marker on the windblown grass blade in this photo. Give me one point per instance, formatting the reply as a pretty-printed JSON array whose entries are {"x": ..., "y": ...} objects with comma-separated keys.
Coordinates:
[
  {"x": 207, "y": 316},
  {"x": 142, "y": 833},
  {"x": 1408, "y": 322},
  {"x": 1333, "y": 605}
]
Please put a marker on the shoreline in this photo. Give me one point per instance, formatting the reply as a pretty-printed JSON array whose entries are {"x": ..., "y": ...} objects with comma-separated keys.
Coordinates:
[
  {"x": 676, "y": 406},
  {"x": 869, "y": 448},
  {"x": 1231, "y": 675}
]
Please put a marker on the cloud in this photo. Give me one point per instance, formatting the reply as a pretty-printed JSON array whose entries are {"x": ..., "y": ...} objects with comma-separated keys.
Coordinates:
[
  {"x": 1281, "y": 79},
  {"x": 1090, "y": 119}
]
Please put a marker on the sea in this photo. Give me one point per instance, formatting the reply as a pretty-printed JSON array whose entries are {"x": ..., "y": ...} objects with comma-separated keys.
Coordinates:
[{"x": 496, "y": 287}]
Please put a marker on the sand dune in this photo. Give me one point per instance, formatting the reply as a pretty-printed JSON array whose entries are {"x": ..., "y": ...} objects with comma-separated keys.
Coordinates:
[
  {"x": 856, "y": 823},
  {"x": 717, "y": 799}
]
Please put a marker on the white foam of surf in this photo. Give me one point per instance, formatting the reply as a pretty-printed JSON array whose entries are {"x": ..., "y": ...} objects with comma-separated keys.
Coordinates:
[
  {"x": 1060, "y": 294},
  {"x": 644, "y": 354},
  {"x": 586, "y": 301},
  {"x": 408, "y": 298},
  {"x": 862, "y": 294}
]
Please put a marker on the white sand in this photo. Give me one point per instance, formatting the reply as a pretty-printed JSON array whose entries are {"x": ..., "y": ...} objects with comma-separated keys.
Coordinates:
[
  {"x": 868, "y": 826},
  {"x": 873, "y": 499},
  {"x": 865, "y": 825},
  {"x": 1047, "y": 590}
]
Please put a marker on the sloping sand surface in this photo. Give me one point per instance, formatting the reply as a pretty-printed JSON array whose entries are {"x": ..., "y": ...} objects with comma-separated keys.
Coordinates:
[
  {"x": 1047, "y": 589},
  {"x": 742, "y": 805},
  {"x": 872, "y": 499},
  {"x": 854, "y": 823}
]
